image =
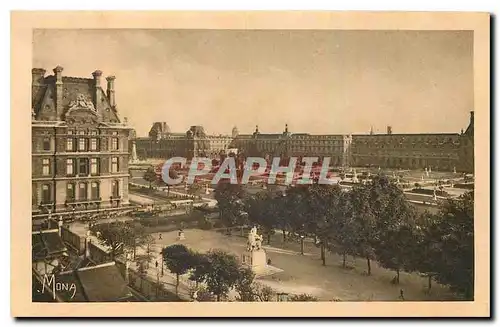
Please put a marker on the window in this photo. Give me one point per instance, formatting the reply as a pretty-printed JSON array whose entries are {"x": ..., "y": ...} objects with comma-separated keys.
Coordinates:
[
  {"x": 82, "y": 191},
  {"x": 70, "y": 132},
  {"x": 69, "y": 144},
  {"x": 114, "y": 164},
  {"x": 69, "y": 167},
  {"x": 114, "y": 143},
  {"x": 46, "y": 144},
  {"x": 46, "y": 193},
  {"x": 83, "y": 166},
  {"x": 45, "y": 167},
  {"x": 81, "y": 132},
  {"x": 94, "y": 166},
  {"x": 82, "y": 144},
  {"x": 70, "y": 192},
  {"x": 93, "y": 144},
  {"x": 94, "y": 190},
  {"x": 115, "y": 189}
]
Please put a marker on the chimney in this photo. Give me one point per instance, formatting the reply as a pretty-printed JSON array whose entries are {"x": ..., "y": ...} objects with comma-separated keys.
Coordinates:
[
  {"x": 59, "y": 89},
  {"x": 59, "y": 226},
  {"x": 389, "y": 130},
  {"x": 97, "y": 84},
  {"x": 111, "y": 90},
  {"x": 87, "y": 247},
  {"x": 38, "y": 75}
]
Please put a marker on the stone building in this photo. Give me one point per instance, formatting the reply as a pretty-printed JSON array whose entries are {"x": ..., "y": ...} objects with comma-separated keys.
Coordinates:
[
  {"x": 466, "y": 150},
  {"x": 438, "y": 151},
  {"x": 161, "y": 143},
  {"x": 298, "y": 145},
  {"x": 79, "y": 145}
]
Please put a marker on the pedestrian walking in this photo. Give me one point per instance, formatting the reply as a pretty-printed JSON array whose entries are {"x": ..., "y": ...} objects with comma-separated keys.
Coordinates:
[
  {"x": 159, "y": 236},
  {"x": 401, "y": 294},
  {"x": 156, "y": 263}
]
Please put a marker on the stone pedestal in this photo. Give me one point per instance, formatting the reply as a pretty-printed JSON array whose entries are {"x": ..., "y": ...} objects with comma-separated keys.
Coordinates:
[
  {"x": 181, "y": 236},
  {"x": 255, "y": 260}
]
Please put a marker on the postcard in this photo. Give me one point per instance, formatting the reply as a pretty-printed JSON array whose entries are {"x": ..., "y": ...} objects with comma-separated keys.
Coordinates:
[{"x": 290, "y": 164}]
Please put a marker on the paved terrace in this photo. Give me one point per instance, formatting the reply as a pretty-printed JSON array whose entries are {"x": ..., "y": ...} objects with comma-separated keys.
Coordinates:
[{"x": 304, "y": 273}]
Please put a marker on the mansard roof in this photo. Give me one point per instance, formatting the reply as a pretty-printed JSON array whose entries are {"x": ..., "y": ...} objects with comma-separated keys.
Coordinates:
[{"x": 43, "y": 98}]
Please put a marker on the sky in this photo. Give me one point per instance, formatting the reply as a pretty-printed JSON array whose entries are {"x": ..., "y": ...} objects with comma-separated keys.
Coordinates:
[{"x": 316, "y": 81}]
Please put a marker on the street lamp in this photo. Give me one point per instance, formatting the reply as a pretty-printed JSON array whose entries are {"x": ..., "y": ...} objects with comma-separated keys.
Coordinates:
[
  {"x": 162, "y": 263},
  {"x": 302, "y": 244}
]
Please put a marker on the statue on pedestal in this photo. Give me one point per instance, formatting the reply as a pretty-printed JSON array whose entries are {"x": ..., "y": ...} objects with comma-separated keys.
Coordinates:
[{"x": 254, "y": 242}]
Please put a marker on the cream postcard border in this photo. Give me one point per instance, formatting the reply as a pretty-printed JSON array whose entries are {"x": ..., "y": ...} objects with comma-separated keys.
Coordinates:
[{"x": 22, "y": 25}]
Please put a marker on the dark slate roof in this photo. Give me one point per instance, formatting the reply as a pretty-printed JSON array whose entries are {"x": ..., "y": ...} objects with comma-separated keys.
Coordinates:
[
  {"x": 275, "y": 136},
  {"x": 70, "y": 295},
  {"x": 407, "y": 134},
  {"x": 43, "y": 98},
  {"x": 46, "y": 244},
  {"x": 197, "y": 131},
  {"x": 103, "y": 283},
  {"x": 470, "y": 128}
]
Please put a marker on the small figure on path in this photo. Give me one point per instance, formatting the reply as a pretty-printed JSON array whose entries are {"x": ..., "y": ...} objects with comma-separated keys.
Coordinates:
[
  {"x": 401, "y": 294},
  {"x": 156, "y": 263},
  {"x": 159, "y": 236}
]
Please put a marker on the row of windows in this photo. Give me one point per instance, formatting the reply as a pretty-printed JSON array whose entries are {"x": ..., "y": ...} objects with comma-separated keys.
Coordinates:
[
  {"x": 80, "y": 191},
  {"x": 81, "y": 144},
  {"x": 80, "y": 166},
  {"x": 87, "y": 132}
]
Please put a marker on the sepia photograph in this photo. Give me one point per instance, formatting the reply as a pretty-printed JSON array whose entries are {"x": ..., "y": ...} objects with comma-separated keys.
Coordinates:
[{"x": 256, "y": 165}]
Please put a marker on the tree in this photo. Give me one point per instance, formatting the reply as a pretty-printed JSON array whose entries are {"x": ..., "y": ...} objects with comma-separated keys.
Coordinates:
[
  {"x": 453, "y": 235},
  {"x": 172, "y": 173},
  {"x": 323, "y": 202},
  {"x": 117, "y": 236},
  {"x": 244, "y": 285},
  {"x": 363, "y": 223},
  {"x": 279, "y": 213},
  {"x": 259, "y": 207},
  {"x": 178, "y": 260},
  {"x": 426, "y": 237},
  {"x": 203, "y": 295},
  {"x": 395, "y": 225},
  {"x": 148, "y": 240},
  {"x": 296, "y": 205},
  {"x": 142, "y": 262},
  {"x": 200, "y": 267},
  {"x": 223, "y": 273},
  {"x": 249, "y": 291},
  {"x": 343, "y": 240},
  {"x": 396, "y": 244},
  {"x": 150, "y": 176},
  {"x": 229, "y": 200},
  {"x": 194, "y": 188},
  {"x": 303, "y": 298}
]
